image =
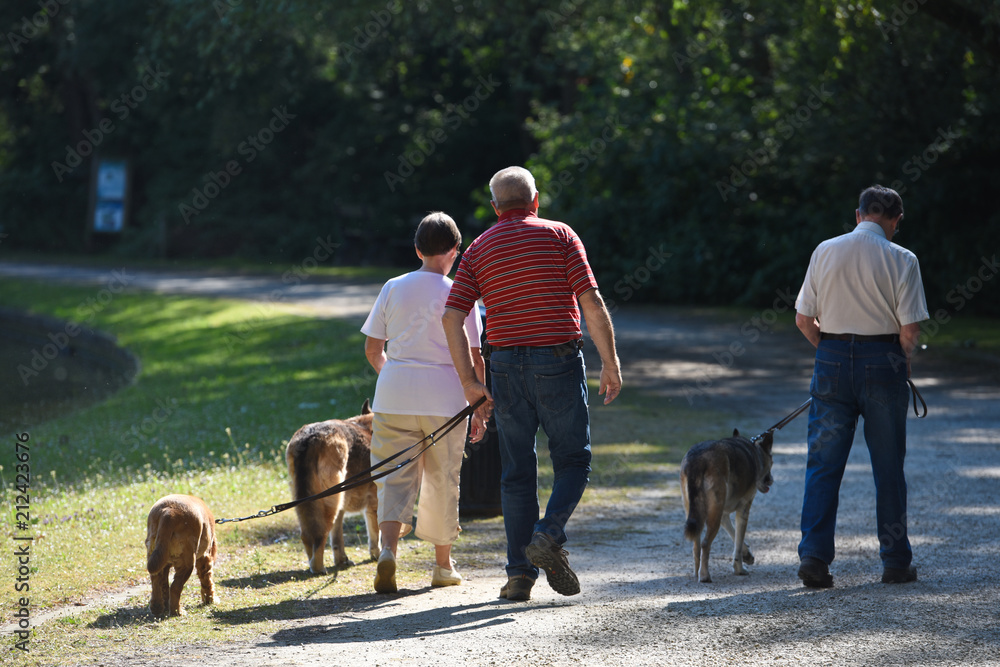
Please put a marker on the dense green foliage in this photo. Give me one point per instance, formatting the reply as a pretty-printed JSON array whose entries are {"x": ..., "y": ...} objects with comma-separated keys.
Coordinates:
[{"x": 701, "y": 149}]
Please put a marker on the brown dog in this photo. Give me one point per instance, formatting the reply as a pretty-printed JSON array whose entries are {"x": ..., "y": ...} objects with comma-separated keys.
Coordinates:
[
  {"x": 719, "y": 477},
  {"x": 180, "y": 534},
  {"x": 319, "y": 456}
]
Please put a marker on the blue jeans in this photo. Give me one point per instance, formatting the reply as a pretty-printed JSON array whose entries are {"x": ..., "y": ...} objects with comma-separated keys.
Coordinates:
[
  {"x": 531, "y": 386},
  {"x": 852, "y": 380}
]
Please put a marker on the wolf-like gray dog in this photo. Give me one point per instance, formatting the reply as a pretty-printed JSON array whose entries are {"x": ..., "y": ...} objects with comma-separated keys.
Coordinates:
[{"x": 719, "y": 477}]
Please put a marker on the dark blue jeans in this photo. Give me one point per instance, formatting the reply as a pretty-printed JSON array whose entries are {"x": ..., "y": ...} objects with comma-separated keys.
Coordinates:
[
  {"x": 533, "y": 387},
  {"x": 851, "y": 380}
]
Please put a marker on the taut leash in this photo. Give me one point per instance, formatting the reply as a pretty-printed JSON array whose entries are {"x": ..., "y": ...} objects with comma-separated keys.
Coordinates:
[
  {"x": 364, "y": 477},
  {"x": 784, "y": 422},
  {"x": 798, "y": 411}
]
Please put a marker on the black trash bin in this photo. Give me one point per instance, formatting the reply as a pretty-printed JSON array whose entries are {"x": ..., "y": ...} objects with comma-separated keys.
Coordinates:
[
  {"x": 479, "y": 493},
  {"x": 479, "y": 490}
]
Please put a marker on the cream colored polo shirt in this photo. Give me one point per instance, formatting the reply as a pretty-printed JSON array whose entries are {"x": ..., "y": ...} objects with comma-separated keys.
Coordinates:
[{"x": 862, "y": 283}]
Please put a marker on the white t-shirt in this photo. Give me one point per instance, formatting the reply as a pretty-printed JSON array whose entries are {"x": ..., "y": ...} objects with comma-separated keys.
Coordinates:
[
  {"x": 418, "y": 378},
  {"x": 862, "y": 283}
]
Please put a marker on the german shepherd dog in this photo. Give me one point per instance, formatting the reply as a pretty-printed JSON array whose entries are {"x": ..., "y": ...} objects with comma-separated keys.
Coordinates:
[
  {"x": 319, "y": 456},
  {"x": 180, "y": 534},
  {"x": 719, "y": 477}
]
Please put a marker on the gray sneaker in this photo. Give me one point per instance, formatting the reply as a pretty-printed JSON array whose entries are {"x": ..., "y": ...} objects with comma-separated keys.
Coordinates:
[{"x": 543, "y": 552}]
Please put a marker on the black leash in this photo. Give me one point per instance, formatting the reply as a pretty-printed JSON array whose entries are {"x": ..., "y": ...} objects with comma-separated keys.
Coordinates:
[
  {"x": 364, "y": 476},
  {"x": 916, "y": 395},
  {"x": 784, "y": 422},
  {"x": 798, "y": 411}
]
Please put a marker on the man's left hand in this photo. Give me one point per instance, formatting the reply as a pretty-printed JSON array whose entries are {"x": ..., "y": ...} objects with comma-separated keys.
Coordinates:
[{"x": 611, "y": 383}]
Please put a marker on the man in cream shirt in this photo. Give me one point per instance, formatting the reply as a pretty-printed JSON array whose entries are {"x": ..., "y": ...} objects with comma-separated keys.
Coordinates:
[{"x": 860, "y": 305}]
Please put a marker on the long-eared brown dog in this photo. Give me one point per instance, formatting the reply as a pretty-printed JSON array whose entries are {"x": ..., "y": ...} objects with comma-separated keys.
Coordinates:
[
  {"x": 719, "y": 477},
  {"x": 319, "y": 456},
  {"x": 180, "y": 534}
]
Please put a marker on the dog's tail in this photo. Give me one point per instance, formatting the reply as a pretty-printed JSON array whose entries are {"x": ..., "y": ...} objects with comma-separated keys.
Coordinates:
[
  {"x": 301, "y": 456},
  {"x": 695, "y": 518},
  {"x": 159, "y": 540}
]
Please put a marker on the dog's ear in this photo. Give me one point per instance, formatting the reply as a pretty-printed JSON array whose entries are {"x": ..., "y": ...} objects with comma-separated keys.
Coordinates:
[
  {"x": 366, "y": 409},
  {"x": 736, "y": 433}
]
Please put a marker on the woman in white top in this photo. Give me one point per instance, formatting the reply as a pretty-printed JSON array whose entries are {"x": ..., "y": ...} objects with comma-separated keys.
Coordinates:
[{"x": 417, "y": 391}]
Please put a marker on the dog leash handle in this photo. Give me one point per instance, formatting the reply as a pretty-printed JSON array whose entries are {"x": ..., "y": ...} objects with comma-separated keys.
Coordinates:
[{"x": 916, "y": 395}]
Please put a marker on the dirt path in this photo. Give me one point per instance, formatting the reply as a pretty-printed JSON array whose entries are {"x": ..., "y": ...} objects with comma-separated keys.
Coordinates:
[{"x": 641, "y": 606}]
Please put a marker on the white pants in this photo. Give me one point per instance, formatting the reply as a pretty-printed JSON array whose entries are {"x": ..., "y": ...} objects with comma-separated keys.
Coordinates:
[{"x": 435, "y": 475}]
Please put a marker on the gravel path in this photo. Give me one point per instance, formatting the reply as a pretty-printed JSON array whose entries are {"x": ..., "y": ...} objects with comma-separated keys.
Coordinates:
[{"x": 640, "y": 603}]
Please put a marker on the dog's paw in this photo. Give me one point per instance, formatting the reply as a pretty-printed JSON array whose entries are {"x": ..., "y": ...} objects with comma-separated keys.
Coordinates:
[{"x": 748, "y": 556}]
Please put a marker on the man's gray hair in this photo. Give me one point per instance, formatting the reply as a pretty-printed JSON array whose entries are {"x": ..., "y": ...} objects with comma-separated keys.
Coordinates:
[{"x": 513, "y": 185}]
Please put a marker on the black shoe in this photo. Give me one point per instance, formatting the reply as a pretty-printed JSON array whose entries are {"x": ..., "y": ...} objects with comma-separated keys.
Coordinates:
[
  {"x": 899, "y": 575},
  {"x": 543, "y": 552},
  {"x": 814, "y": 573}
]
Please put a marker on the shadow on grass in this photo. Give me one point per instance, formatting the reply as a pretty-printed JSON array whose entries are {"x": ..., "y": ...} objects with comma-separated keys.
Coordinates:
[
  {"x": 268, "y": 579},
  {"x": 125, "y": 617}
]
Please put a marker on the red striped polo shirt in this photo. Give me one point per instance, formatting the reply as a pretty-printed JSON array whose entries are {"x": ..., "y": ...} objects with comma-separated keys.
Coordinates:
[{"x": 529, "y": 273}]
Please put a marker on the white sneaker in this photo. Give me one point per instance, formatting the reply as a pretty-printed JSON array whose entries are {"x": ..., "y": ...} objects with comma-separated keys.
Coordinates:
[
  {"x": 385, "y": 573},
  {"x": 445, "y": 577}
]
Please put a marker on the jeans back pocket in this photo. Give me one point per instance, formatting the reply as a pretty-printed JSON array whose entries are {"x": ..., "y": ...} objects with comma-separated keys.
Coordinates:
[{"x": 825, "y": 379}]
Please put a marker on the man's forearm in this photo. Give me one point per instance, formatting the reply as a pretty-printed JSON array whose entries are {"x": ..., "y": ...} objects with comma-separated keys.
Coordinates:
[
  {"x": 599, "y": 326},
  {"x": 809, "y": 328},
  {"x": 909, "y": 335},
  {"x": 458, "y": 345},
  {"x": 478, "y": 364}
]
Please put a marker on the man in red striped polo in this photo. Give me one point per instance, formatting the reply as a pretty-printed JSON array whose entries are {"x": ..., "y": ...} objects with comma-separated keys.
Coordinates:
[{"x": 533, "y": 277}]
